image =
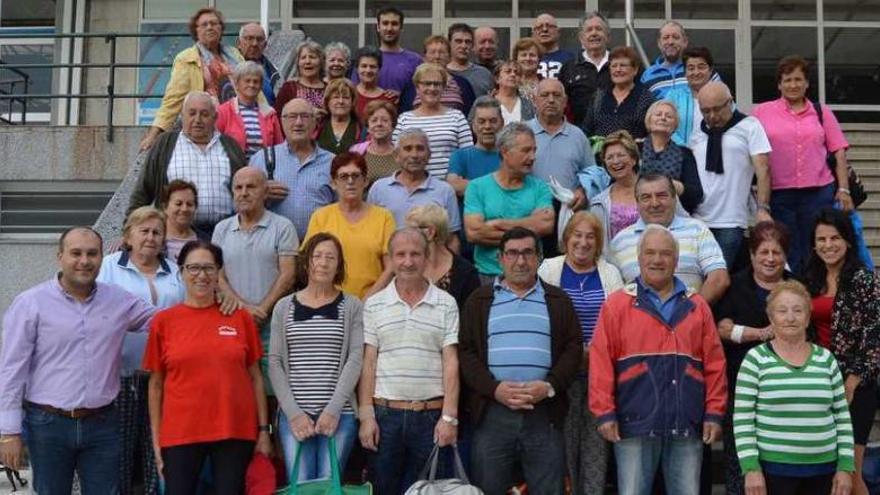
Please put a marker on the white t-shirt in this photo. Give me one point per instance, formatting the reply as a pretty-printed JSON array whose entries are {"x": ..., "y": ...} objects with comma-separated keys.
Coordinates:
[{"x": 726, "y": 196}]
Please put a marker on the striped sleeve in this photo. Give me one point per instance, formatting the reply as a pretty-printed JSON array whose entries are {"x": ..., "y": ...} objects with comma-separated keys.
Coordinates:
[
  {"x": 843, "y": 423},
  {"x": 465, "y": 136},
  {"x": 744, "y": 413}
]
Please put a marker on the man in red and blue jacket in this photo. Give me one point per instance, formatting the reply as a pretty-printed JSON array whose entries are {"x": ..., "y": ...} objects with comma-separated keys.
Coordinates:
[{"x": 657, "y": 382}]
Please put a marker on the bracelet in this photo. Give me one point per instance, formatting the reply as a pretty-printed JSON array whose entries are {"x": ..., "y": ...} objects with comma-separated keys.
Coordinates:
[
  {"x": 844, "y": 190},
  {"x": 736, "y": 334}
]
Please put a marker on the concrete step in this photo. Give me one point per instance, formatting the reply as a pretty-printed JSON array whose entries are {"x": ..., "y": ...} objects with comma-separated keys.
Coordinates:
[
  {"x": 860, "y": 127},
  {"x": 866, "y": 153}
]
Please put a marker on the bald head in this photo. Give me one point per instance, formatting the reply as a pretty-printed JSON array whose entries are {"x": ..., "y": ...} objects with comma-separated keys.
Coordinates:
[
  {"x": 550, "y": 100},
  {"x": 298, "y": 120},
  {"x": 250, "y": 173},
  {"x": 249, "y": 191},
  {"x": 486, "y": 45},
  {"x": 716, "y": 104}
]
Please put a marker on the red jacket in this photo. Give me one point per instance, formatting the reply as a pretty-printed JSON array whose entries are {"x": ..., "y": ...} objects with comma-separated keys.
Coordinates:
[
  {"x": 229, "y": 122},
  {"x": 654, "y": 378}
]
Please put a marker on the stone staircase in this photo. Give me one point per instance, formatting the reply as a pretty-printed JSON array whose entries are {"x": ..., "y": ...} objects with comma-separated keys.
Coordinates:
[{"x": 864, "y": 156}]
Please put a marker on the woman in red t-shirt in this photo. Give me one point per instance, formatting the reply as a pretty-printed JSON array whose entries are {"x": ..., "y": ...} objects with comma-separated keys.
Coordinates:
[{"x": 206, "y": 389}]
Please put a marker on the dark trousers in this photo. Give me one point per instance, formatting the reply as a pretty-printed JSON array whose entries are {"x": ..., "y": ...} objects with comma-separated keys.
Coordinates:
[
  {"x": 507, "y": 440},
  {"x": 797, "y": 209},
  {"x": 229, "y": 463},
  {"x": 787, "y": 485}
]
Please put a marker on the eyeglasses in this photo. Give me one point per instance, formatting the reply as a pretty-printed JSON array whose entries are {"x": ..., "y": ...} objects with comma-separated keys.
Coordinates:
[
  {"x": 194, "y": 269},
  {"x": 208, "y": 24},
  {"x": 354, "y": 177},
  {"x": 297, "y": 116},
  {"x": 513, "y": 254},
  {"x": 253, "y": 39},
  {"x": 539, "y": 27},
  {"x": 434, "y": 84}
]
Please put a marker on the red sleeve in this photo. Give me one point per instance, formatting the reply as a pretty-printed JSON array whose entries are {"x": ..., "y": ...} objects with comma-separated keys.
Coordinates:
[
  {"x": 153, "y": 353},
  {"x": 714, "y": 366},
  {"x": 602, "y": 355},
  {"x": 277, "y": 135},
  {"x": 222, "y": 117},
  {"x": 252, "y": 338}
]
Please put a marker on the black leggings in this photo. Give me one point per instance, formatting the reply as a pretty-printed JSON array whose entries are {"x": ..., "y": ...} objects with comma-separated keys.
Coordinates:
[
  {"x": 229, "y": 463},
  {"x": 788, "y": 485}
]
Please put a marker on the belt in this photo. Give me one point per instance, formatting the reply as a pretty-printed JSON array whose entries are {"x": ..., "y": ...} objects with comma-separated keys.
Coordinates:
[
  {"x": 79, "y": 413},
  {"x": 410, "y": 405}
]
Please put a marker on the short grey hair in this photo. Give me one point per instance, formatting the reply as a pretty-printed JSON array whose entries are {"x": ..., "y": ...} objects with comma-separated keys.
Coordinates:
[
  {"x": 670, "y": 22},
  {"x": 411, "y": 132},
  {"x": 241, "y": 29},
  {"x": 485, "y": 101},
  {"x": 598, "y": 15},
  {"x": 408, "y": 232},
  {"x": 508, "y": 135},
  {"x": 247, "y": 68},
  {"x": 312, "y": 46},
  {"x": 338, "y": 46},
  {"x": 200, "y": 94},
  {"x": 656, "y": 228}
]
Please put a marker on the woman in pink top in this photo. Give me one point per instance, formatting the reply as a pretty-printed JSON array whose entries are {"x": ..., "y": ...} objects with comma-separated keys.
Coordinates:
[{"x": 803, "y": 183}]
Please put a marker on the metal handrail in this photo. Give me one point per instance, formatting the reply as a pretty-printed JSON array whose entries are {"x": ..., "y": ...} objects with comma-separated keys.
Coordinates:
[
  {"x": 111, "y": 95},
  {"x": 24, "y": 79}
]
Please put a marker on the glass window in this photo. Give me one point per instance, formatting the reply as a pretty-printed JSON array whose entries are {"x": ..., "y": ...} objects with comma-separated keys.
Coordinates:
[
  {"x": 16, "y": 13},
  {"x": 647, "y": 37},
  {"x": 40, "y": 80},
  {"x": 704, "y": 9},
  {"x": 769, "y": 44},
  {"x": 325, "y": 33},
  {"x": 560, "y": 9},
  {"x": 721, "y": 43},
  {"x": 645, "y": 9},
  {"x": 852, "y": 72},
  {"x": 411, "y": 8},
  {"x": 172, "y": 9},
  {"x": 848, "y": 10},
  {"x": 159, "y": 50},
  {"x": 246, "y": 9},
  {"x": 321, "y": 8},
  {"x": 466, "y": 8},
  {"x": 412, "y": 36},
  {"x": 568, "y": 37},
  {"x": 786, "y": 10}
]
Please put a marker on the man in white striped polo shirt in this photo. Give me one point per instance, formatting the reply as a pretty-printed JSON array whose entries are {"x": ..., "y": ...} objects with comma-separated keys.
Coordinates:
[{"x": 408, "y": 393}]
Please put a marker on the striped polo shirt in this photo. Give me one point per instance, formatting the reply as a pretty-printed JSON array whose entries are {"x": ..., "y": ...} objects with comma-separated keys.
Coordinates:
[
  {"x": 410, "y": 342},
  {"x": 791, "y": 415},
  {"x": 698, "y": 251},
  {"x": 519, "y": 335}
]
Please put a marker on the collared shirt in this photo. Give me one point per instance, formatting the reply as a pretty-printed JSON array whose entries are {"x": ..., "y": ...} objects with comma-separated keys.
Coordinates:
[
  {"x": 209, "y": 170},
  {"x": 392, "y": 195},
  {"x": 410, "y": 341},
  {"x": 799, "y": 143},
  {"x": 698, "y": 251},
  {"x": 665, "y": 306},
  {"x": 309, "y": 183},
  {"x": 726, "y": 196},
  {"x": 519, "y": 334},
  {"x": 163, "y": 290},
  {"x": 562, "y": 154},
  {"x": 250, "y": 257},
  {"x": 64, "y": 353},
  {"x": 601, "y": 63},
  {"x": 661, "y": 77}
]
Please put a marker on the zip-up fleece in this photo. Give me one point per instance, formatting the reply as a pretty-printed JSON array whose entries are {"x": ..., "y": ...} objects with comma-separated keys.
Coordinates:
[{"x": 656, "y": 378}]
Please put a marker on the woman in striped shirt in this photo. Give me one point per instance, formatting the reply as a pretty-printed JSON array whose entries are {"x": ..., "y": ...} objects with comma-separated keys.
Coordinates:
[
  {"x": 587, "y": 279},
  {"x": 791, "y": 421},
  {"x": 253, "y": 125},
  {"x": 315, "y": 355}
]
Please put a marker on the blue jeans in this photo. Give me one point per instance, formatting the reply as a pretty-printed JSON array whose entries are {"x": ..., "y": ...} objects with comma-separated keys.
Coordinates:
[
  {"x": 506, "y": 440},
  {"x": 314, "y": 462},
  {"x": 797, "y": 209},
  {"x": 59, "y": 446},
  {"x": 730, "y": 240},
  {"x": 638, "y": 458},
  {"x": 406, "y": 439}
]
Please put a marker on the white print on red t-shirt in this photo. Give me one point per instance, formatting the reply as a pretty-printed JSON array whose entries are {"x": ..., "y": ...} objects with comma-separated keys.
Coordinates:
[{"x": 226, "y": 330}]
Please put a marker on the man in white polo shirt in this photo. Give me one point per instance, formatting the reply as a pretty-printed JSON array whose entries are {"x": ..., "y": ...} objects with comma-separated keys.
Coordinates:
[{"x": 408, "y": 393}]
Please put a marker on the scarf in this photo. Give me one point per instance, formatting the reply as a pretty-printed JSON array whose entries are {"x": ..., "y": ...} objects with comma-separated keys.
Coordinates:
[
  {"x": 714, "y": 162},
  {"x": 329, "y": 311},
  {"x": 666, "y": 162},
  {"x": 215, "y": 72}
]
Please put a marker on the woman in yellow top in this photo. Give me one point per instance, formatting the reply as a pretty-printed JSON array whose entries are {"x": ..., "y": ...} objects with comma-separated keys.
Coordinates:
[
  {"x": 362, "y": 229},
  {"x": 205, "y": 66}
]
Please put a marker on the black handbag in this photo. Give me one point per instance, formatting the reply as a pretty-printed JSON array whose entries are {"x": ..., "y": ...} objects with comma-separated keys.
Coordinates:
[{"x": 856, "y": 189}]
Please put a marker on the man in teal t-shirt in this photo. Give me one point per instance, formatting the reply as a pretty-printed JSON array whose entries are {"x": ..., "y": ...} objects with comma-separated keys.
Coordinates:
[{"x": 507, "y": 198}]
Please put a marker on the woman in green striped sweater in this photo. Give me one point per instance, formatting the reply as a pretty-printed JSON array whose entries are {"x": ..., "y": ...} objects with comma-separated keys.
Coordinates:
[{"x": 791, "y": 421}]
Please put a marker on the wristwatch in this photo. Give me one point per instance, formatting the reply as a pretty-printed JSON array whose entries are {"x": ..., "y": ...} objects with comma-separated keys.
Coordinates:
[
  {"x": 450, "y": 419},
  {"x": 551, "y": 392},
  {"x": 266, "y": 428}
]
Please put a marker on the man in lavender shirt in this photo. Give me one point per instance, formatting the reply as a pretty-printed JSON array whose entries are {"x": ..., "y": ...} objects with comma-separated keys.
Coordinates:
[
  {"x": 60, "y": 364},
  {"x": 398, "y": 63}
]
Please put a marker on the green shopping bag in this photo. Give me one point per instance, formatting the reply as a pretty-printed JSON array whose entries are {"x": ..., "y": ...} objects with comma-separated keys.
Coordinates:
[{"x": 333, "y": 486}]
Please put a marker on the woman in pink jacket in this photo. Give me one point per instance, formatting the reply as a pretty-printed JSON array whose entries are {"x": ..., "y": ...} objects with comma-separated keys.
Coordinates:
[{"x": 251, "y": 124}]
